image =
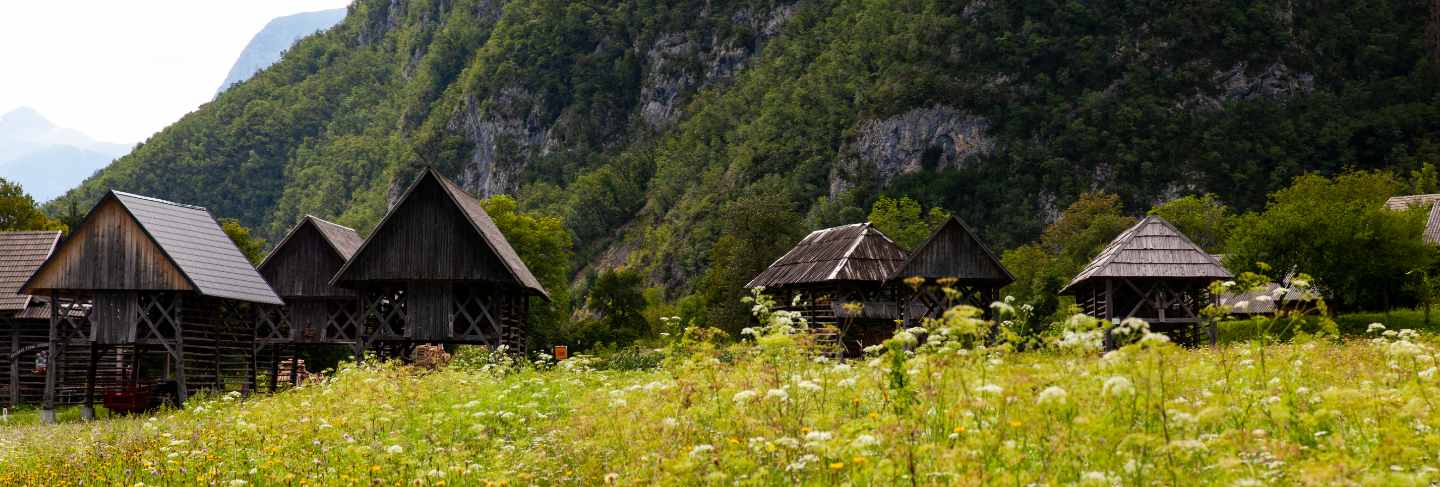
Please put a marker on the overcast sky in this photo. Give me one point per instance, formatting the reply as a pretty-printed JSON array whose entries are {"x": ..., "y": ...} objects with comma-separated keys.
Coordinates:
[{"x": 119, "y": 71}]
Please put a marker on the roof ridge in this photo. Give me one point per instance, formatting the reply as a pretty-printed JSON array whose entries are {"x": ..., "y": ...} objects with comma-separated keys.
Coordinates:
[{"x": 156, "y": 200}]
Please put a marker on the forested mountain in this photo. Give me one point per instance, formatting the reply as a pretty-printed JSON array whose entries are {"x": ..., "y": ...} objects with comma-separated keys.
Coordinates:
[
  {"x": 653, "y": 127},
  {"x": 278, "y": 35}
]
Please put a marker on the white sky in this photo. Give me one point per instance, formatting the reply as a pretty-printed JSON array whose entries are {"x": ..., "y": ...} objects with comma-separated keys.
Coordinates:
[{"x": 119, "y": 71}]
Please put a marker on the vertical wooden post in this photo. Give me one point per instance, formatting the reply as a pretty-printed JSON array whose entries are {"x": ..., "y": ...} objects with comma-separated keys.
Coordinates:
[
  {"x": 274, "y": 367},
  {"x": 364, "y": 314},
  {"x": 294, "y": 367},
  {"x": 14, "y": 365},
  {"x": 47, "y": 406},
  {"x": 87, "y": 411},
  {"x": 182, "y": 390}
]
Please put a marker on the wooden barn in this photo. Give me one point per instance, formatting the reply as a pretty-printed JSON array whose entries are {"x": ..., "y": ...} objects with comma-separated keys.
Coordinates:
[
  {"x": 437, "y": 270},
  {"x": 1151, "y": 272},
  {"x": 162, "y": 297},
  {"x": 316, "y": 313},
  {"x": 955, "y": 258},
  {"x": 25, "y": 325},
  {"x": 833, "y": 269}
]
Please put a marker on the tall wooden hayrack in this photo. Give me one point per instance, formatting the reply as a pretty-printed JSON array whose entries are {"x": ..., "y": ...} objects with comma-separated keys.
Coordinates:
[
  {"x": 158, "y": 293},
  {"x": 1151, "y": 272},
  {"x": 316, "y": 314},
  {"x": 952, "y": 259},
  {"x": 437, "y": 270},
  {"x": 839, "y": 276}
]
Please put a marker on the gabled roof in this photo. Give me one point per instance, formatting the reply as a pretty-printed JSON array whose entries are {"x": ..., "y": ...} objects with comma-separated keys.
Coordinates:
[
  {"x": 191, "y": 239},
  {"x": 479, "y": 221},
  {"x": 1432, "y": 223},
  {"x": 1152, "y": 248},
  {"x": 342, "y": 239},
  {"x": 21, "y": 253},
  {"x": 855, "y": 252},
  {"x": 953, "y": 250},
  {"x": 1401, "y": 203}
]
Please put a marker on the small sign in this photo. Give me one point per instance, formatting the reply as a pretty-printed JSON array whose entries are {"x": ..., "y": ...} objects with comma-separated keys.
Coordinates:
[{"x": 562, "y": 352}]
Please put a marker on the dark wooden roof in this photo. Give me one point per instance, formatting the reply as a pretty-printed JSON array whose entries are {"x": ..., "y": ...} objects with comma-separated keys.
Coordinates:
[
  {"x": 1432, "y": 223},
  {"x": 303, "y": 263},
  {"x": 1152, "y": 248},
  {"x": 855, "y": 252},
  {"x": 437, "y": 231},
  {"x": 21, "y": 253},
  {"x": 159, "y": 242},
  {"x": 953, "y": 250}
]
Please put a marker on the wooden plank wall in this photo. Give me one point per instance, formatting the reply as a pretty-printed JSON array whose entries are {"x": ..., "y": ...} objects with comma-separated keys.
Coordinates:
[
  {"x": 302, "y": 268},
  {"x": 427, "y": 238},
  {"x": 110, "y": 251},
  {"x": 954, "y": 253}
]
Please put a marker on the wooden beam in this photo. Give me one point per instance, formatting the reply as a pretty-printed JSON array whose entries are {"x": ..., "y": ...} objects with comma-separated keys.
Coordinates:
[{"x": 47, "y": 406}]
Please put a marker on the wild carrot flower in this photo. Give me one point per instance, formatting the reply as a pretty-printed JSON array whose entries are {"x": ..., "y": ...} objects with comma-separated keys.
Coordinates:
[
  {"x": 1118, "y": 386},
  {"x": 1053, "y": 395}
]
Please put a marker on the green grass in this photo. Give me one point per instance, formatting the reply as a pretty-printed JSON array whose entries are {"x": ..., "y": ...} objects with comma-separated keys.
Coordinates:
[{"x": 1318, "y": 412}]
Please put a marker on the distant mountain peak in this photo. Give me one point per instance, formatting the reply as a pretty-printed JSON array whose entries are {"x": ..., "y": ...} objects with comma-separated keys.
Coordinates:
[
  {"x": 25, "y": 118},
  {"x": 278, "y": 35}
]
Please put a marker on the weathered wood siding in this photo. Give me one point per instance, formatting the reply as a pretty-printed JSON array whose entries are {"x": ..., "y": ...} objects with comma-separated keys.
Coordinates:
[
  {"x": 303, "y": 266},
  {"x": 110, "y": 251},
  {"x": 114, "y": 317},
  {"x": 431, "y": 307},
  {"x": 427, "y": 238},
  {"x": 954, "y": 252}
]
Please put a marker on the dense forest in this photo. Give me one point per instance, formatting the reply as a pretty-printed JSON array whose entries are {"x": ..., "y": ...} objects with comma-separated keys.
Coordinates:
[{"x": 655, "y": 129}]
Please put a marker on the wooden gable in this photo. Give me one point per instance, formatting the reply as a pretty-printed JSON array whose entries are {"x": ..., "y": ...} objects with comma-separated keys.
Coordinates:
[
  {"x": 427, "y": 236},
  {"x": 303, "y": 263},
  {"x": 110, "y": 250},
  {"x": 954, "y": 251}
]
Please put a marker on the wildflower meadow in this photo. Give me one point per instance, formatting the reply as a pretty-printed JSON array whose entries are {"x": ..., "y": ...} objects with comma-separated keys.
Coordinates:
[{"x": 936, "y": 404}]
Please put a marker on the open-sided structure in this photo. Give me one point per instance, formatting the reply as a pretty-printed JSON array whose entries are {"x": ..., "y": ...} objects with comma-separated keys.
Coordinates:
[
  {"x": 1152, "y": 272},
  {"x": 954, "y": 258},
  {"x": 25, "y": 324},
  {"x": 437, "y": 270},
  {"x": 316, "y": 313},
  {"x": 833, "y": 270},
  {"x": 159, "y": 293}
]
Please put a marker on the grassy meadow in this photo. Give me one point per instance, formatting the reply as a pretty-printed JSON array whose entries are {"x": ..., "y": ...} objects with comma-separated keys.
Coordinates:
[{"x": 942, "y": 410}]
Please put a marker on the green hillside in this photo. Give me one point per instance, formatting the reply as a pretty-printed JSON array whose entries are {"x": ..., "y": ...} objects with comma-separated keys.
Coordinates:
[{"x": 639, "y": 122}]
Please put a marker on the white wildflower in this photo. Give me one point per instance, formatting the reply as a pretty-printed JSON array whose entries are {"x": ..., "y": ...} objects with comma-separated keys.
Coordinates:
[
  {"x": 779, "y": 394},
  {"x": 1118, "y": 386},
  {"x": 864, "y": 441},
  {"x": 701, "y": 449},
  {"x": 395, "y": 450},
  {"x": 1375, "y": 328},
  {"x": 1053, "y": 395},
  {"x": 743, "y": 396},
  {"x": 991, "y": 389},
  {"x": 809, "y": 386}
]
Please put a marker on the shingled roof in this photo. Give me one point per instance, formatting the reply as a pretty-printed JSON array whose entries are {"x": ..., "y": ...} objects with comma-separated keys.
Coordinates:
[
  {"x": 1432, "y": 223},
  {"x": 1151, "y": 248},
  {"x": 855, "y": 252},
  {"x": 21, "y": 253},
  {"x": 190, "y": 239},
  {"x": 342, "y": 239},
  {"x": 477, "y": 219}
]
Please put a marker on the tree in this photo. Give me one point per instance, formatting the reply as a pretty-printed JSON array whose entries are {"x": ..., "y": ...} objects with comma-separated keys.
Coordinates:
[
  {"x": 1205, "y": 219},
  {"x": 545, "y": 246},
  {"x": 19, "y": 212},
  {"x": 758, "y": 229},
  {"x": 1338, "y": 231},
  {"x": 618, "y": 298},
  {"x": 253, "y": 247},
  {"x": 1042, "y": 268},
  {"x": 904, "y": 222}
]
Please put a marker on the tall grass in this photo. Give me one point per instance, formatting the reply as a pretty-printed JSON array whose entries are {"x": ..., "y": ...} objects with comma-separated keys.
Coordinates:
[{"x": 1315, "y": 412}]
